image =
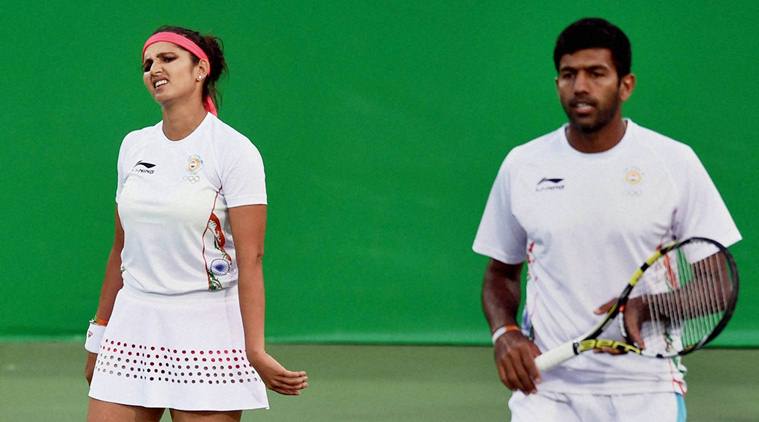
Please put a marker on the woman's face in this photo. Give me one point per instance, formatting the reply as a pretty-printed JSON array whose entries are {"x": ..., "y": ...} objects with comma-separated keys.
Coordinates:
[{"x": 170, "y": 74}]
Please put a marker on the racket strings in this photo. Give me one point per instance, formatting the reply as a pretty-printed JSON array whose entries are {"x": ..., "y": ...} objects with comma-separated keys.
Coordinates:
[
  {"x": 698, "y": 320},
  {"x": 712, "y": 294},
  {"x": 687, "y": 293},
  {"x": 711, "y": 297}
]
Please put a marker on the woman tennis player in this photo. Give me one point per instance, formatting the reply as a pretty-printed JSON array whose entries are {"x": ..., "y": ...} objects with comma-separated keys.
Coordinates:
[{"x": 180, "y": 322}]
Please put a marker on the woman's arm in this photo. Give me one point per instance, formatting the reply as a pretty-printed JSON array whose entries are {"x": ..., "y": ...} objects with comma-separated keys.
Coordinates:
[
  {"x": 112, "y": 283},
  {"x": 248, "y": 229}
]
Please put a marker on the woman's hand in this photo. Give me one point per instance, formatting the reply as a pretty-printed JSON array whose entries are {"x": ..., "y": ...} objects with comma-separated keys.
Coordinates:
[
  {"x": 89, "y": 366},
  {"x": 277, "y": 377}
]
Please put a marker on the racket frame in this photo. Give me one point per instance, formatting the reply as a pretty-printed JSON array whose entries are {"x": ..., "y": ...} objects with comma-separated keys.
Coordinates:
[
  {"x": 590, "y": 340},
  {"x": 731, "y": 268}
]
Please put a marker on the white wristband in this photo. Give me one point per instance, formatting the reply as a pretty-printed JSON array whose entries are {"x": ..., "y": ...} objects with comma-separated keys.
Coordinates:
[
  {"x": 503, "y": 330},
  {"x": 498, "y": 333},
  {"x": 94, "y": 338}
]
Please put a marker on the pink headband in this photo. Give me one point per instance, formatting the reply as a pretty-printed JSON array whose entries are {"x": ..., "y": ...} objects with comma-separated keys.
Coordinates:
[{"x": 188, "y": 45}]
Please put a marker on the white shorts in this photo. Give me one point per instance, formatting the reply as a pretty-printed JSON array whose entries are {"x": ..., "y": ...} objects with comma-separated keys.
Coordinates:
[
  {"x": 559, "y": 407},
  {"x": 177, "y": 352}
]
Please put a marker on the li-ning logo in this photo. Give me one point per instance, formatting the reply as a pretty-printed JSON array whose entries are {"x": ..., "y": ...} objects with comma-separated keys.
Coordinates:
[
  {"x": 143, "y": 167},
  {"x": 549, "y": 183}
]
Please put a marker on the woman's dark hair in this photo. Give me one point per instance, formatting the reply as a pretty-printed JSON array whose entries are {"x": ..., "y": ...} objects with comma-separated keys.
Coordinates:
[
  {"x": 213, "y": 47},
  {"x": 595, "y": 33}
]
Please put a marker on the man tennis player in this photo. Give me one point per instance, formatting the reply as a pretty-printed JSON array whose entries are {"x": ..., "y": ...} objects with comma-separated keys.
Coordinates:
[{"x": 583, "y": 206}]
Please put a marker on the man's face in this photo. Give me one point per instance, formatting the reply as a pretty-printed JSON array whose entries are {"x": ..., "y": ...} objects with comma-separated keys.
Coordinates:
[{"x": 590, "y": 90}]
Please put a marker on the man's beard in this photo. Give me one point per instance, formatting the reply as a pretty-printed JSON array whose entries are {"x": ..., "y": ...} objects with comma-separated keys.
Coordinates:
[{"x": 604, "y": 117}]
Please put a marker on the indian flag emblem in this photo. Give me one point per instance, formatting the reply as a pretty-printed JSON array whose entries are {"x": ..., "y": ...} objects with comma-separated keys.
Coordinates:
[
  {"x": 194, "y": 163},
  {"x": 633, "y": 176},
  {"x": 220, "y": 267}
]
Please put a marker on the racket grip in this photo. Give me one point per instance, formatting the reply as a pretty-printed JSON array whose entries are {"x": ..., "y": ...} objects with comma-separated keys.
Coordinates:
[{"x": 555, "y": 356}]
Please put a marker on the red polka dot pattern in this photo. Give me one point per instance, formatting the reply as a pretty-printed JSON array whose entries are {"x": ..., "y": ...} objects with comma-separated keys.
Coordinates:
[{"x": 171, "y": 365}]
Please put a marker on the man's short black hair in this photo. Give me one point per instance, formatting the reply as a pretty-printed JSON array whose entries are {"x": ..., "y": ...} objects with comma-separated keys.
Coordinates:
[{"x": 595, "y": 33}]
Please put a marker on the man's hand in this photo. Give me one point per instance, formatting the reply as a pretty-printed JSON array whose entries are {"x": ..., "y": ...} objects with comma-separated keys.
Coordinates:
[
  {"x": 635, "y": 314},
  {"x": 515, "y": 359}
]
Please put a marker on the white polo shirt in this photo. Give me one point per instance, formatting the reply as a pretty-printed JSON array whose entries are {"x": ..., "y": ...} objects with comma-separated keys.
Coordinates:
[
  {"x": 173, "y": 199},
  {"x": 584, "y": 223}
]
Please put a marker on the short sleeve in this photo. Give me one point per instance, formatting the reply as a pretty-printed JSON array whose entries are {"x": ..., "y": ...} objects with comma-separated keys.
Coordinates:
[
  {"x": 500, "y": 236},
  {"x": 701, "y": 212},
  {"x": 242, "y": 174}
]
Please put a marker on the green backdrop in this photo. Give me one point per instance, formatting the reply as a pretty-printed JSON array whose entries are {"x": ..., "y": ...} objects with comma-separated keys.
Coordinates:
[{"x": 382, "y": 125}]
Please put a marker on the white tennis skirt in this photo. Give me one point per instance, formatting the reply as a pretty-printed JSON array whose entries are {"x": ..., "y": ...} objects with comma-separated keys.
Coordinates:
[{"x": 180, "y": 352}]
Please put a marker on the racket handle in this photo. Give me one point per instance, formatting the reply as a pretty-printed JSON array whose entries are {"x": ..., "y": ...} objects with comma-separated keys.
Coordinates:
[{"x": 555, "y": 356}]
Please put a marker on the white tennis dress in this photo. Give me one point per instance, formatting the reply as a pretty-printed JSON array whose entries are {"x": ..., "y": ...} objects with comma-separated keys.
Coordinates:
[{"x": 175, "y": 336}]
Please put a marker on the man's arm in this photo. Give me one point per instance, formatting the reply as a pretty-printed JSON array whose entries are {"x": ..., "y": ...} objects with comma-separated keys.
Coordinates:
[{"x": 514, "y": 353}]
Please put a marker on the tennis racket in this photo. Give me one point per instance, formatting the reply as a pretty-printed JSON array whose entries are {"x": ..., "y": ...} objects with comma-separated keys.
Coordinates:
[{"x": 679, "y": 300}]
